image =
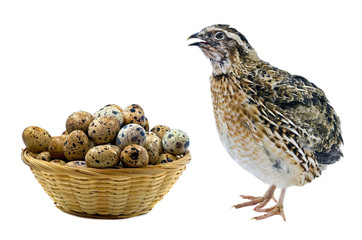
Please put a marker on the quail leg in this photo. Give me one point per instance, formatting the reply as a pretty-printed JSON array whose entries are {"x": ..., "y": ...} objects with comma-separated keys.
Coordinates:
[
  {"x": 276, "y": 210},
  {"x": 260, "y": 202}
]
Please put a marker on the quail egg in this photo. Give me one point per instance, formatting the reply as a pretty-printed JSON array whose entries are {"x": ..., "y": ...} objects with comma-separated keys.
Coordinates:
[
  {"x": 153, "y": 146},
  {"x": 165, "y": 158},
  {"x": 45, "y": 156},
  {"x": 77, "y": 163},
  {"x": 103, "y": 129},
  {"x": 176, "y": 141},
  {"x": 131, "y": 134},
  {"x": 116, "y": 106},
  {"x": 160, "y": 130},
  {"x": 78, "y": 121},
  {"x": 36, "y": 139},
  {"x": 146, "y": 125},
  {"x": 134, "y": 156},
  {"x": 111, "y": 112},
  {"x": 134, "y": 114},
  {"x": 58, "y": 161},
  {"x": 76, "y": 145},
  {"x": 103, "y": 156},
  {"x": 55, "y": 147}
]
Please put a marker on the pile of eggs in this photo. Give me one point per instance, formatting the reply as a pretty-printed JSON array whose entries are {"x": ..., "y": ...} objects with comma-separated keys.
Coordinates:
[{"x": 110, "y": 138}]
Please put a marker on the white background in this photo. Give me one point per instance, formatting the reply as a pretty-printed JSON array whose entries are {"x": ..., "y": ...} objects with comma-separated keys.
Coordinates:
[{"x": 57, "y": 57}]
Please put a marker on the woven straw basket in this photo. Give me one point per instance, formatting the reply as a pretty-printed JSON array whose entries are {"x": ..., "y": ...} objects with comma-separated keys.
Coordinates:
[{"x": 106, "y": 193}]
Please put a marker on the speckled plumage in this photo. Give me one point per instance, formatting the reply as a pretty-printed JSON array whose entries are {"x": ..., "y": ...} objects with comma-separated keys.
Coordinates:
[{"x": 278, "y": 126}]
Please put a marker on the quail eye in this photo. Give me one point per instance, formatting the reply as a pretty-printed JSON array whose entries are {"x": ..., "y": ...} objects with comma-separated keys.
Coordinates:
[{"x": 219, "y": 35}]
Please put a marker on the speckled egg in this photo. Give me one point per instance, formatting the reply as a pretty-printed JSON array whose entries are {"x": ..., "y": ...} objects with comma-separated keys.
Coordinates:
[
  {"x": 134, "y": 156},
  {"x": 110, "y": 112},
  {"x": 153, "y": 146},
  {"x": 77, "y": 163},
  {"x": 146, "y": 125},
  {"x": 160, "y": 130},
  {"x": 76, "y": 145},
  {"x": 45, "y": 156},
  {"x": 103, "y": 129},
  {"x": 103, "y": 156},
  {"x": 58, "y": 161},
  {"x": 165, "y": 158},
  {"x": 176, "y": 141},
  {"x": 116, "y": 106},
  {"x": 36, "y": 139},
  {"x": 131, "y": 134},
  {"x": 134, "y": 114},
  {"x": 78, "y": 121},
  {"x": 55, "y": 147}
]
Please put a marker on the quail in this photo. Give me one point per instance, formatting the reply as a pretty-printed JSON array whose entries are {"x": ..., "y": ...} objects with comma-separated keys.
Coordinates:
[{"x": 278, "y": 126}]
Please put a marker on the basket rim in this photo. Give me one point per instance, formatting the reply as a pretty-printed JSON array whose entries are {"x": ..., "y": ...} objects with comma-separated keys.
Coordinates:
[{"x": 159, "y": 169}]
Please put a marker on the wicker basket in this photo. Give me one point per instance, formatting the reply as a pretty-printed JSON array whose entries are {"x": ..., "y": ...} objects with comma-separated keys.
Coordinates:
[{"x": 106, "y": 193}]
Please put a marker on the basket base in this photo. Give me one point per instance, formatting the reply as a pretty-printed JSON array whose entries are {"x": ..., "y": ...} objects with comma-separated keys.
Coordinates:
[{"x": 98, "y": 216}]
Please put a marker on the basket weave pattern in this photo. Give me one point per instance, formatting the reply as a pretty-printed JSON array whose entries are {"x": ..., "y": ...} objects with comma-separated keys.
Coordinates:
[{"x": 106, "y": 193}]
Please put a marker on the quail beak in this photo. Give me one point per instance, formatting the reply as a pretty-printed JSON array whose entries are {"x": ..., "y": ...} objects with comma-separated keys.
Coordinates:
[{"x": 199, "y": 43}]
